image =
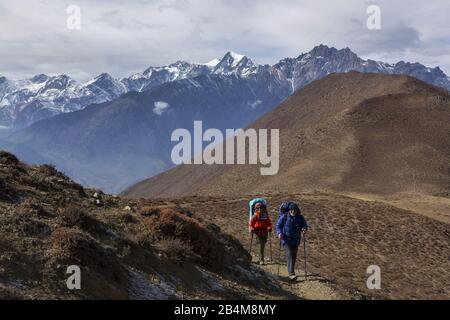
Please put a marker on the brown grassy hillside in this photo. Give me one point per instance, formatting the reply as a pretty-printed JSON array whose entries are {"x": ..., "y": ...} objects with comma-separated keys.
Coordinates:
[
  {"x": 353, "y": 132},
  {"x": 347, "y": 235}
]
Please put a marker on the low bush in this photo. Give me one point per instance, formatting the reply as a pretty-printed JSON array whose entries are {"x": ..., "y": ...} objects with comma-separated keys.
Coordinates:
[
  {"x": 73, "y": 216},
  {"x": 176, "y": 249},
  {"x": 168, "y": 224}
]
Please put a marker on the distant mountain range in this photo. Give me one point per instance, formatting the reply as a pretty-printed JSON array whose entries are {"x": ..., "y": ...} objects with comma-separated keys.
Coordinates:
[
  {"x": 117, "y": 143},
  {"x": 114, "y": 144},
  {"x": 23, "y": 102}
]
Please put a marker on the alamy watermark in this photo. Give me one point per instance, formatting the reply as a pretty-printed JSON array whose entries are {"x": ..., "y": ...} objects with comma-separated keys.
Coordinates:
[
  {"x": 374, "y": 280},
  {"x": 74, "y": 280},
  {"x": 374, "y": 19},
  {"x": 73, "y": 21},
  {"x": 228, "y": 148}
]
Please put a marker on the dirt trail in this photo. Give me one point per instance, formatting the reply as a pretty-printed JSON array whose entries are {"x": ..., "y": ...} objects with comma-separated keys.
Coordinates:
[{"x": 314, "y": 287}]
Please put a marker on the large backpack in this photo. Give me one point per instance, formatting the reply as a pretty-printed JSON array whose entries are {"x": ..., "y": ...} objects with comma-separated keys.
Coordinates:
[
  {"x": 251, "y": 206},
  {"x": 284, "y": 212}
]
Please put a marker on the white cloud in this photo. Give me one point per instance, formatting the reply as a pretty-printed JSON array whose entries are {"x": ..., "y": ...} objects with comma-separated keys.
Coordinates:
[
  {"x": 255, "y": 104},
  {"x": 123, "y": 37},
  {"x": 160, "y": 107}
]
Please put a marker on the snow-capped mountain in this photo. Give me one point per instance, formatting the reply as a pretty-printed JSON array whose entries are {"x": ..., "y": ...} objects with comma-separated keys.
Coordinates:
[
  {"x": 34, "y": 97},
  {"x": 234, "y": 63},
  {"x": 23, "y": 102},
  {"x": 323, "y": 60},
  {"x": 213, "y": 63},
  {"x": 26, "y": 101},
  {"x": 231, "y": 63},
  {"x": 155, "y": 76}
]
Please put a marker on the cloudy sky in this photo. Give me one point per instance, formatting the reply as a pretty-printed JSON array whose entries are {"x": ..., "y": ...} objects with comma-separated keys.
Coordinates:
[{"x": 123, "y": 37}]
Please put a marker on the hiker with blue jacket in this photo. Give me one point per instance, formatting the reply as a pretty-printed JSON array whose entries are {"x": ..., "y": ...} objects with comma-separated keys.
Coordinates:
[{"x": 290, "y": 227}]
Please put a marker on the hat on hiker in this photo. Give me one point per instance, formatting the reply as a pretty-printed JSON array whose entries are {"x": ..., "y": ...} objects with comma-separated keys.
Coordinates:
[
  {"x": 294, "y": 206},
  {"x": 259, "y": 204}
]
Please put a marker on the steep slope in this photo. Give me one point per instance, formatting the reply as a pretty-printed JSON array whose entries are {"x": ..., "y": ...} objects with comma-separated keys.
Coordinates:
[
  {"x": 353, "y": 132},
  {"x": 124, "y": 249}
]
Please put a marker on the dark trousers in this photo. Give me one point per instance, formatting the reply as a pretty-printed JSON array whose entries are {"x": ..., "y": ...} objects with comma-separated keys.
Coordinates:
[
  {"x": 291, "y": 256},
  {"x": 262, "y": 244}
]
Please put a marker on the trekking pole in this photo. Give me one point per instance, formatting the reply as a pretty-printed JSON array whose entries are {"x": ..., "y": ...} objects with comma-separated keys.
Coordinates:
[
  {"x": 270, "y": 242},
  {"x": 304, "y": 249},
  {"x": 279, "y": 257},
  {"x": 251, "y": 244}
]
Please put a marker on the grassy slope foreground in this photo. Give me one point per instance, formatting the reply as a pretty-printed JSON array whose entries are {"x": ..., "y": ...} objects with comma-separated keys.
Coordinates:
[
  {"x": 346, "y": 236},
  {"x": 197, "y": 247},
  {"x": 124, "y": 249}
]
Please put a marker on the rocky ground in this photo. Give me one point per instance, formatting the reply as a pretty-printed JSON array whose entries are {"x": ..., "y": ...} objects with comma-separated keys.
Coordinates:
[{"x": 198, "y": 247}]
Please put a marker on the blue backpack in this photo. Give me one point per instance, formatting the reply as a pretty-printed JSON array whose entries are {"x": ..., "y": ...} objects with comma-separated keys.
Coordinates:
[{"x": 293, "y": 222}]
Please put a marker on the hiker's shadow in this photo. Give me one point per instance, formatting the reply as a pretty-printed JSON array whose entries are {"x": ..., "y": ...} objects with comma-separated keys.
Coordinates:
[{"x": 302, "y": 278}]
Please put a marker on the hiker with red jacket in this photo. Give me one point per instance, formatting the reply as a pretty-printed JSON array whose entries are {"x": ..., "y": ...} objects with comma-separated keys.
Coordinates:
[
  {"x": 261, "y": 225},
  {"x": 291, "y": 226}
]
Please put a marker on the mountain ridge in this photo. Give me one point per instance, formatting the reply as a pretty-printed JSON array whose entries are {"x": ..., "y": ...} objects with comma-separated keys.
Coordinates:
[{"x": 23, "y": 102}]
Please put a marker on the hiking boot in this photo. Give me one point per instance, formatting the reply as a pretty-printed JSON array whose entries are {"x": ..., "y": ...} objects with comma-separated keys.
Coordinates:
[{"x": 292, "y": 277}]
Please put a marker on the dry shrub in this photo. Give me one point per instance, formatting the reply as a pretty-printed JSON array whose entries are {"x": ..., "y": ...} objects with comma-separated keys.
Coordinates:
[
  {"x": 126, "y": 217},
  {"x": 8, "y": 159},
  {"x": 48, "y": 177},
  {"x": 48, "y": 169},
  {"x": 31, "y": 206},
  {"x": 73, "y": 216},
  {"x": 176, "y": 249},
  {"x": 69, "y": 184},
  {"x": 25, "y": 224},
  {"x": 184, "y": 211},
  {"x": 71, "y": 245},
  {"x": 79, "y": 188},
  {"x": 7, "y": 192},
  {"x": 170, "y": 224},
  {"x": 30, "y": 227},
  {"x": 10, "y": 293},
  {"x": 149, "y": 211}
]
